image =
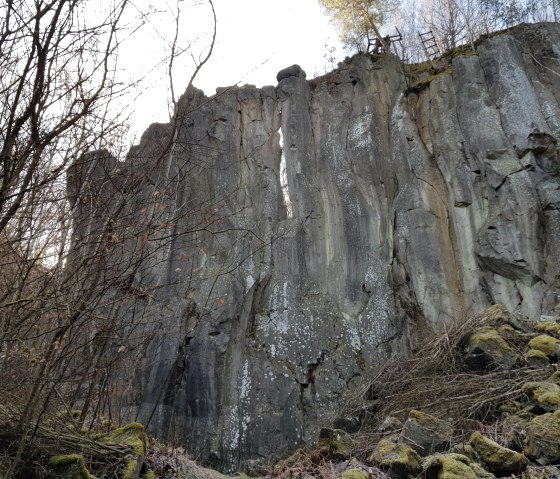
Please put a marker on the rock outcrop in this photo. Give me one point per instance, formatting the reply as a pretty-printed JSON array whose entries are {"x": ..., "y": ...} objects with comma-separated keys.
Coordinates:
[{"x": 309, "y": 230}]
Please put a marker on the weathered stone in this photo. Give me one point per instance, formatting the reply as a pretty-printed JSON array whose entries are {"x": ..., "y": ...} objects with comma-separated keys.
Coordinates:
[
  {"x": 354, "y": 473},
  {"x": 547, "y": 344},
  {"x": 552, "y": 328},
  {"x": 338, "y": 442},
  {"x": 542, "y": 442},
  {"x": 536, "y": 358},
  {"x": 513, "y": 429},
  {"x": 293, "y": 71},
  {"x": 399, "y": 460},
  {"x": 500, "y": 460},
  {"x": 269, "y": 294},
  {"x": 71, "y": 466},
  {"x": 544, "y": 394},
  {"x": 487, "y": 349},
  {"x": 390, "y": 424},
  {"x": 425, "y": 433},
  {"x": 452, "y": 466}
]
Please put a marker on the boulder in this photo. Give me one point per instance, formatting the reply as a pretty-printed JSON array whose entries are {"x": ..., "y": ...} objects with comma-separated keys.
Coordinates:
[
  {"x": 338, "y": 442},
  {"x": 390, "y": 424},
  {"x": 552, "y": 328},
  {"x": 545, "y": 343},
  {"x": 291, "y": 71},
  {"x": 542, "y": 442},
  {"x": 514, "y": 428},
  {"x": 399, "y": 460},
  {"x": 554, "y": 377},
  {"x": 134, "y": 436},
  {"x": 452, "y": 466},
  {"x": 544, "y": 394},
  {"x": 425, "y": 433},
  {"x": 487, "y": 349},
  {"x": 70, "y": 466},
  {"x": 354, "y": 473},
  {"x": 536, "y": 359},
  {"x": 500, "y": 460}
]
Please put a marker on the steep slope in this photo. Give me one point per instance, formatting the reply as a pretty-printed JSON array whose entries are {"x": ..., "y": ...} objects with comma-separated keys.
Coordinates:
[{"x": 401, "y": 211}]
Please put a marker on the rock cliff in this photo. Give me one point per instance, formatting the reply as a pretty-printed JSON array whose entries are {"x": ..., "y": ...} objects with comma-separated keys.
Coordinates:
[{"x": 309, "y": 230}]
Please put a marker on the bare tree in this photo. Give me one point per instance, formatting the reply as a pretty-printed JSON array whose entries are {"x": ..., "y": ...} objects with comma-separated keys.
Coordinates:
[{"x": 61, "y": 280}]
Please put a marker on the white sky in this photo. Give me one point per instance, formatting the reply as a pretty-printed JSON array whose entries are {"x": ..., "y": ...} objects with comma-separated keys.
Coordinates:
[{"x": 255, "y": 39}]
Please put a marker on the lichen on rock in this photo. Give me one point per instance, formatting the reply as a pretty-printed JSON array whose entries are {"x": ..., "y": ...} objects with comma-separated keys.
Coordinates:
[
  {"x": 545, "y": 343},
  {"x": 70, "y": 466},
  {"x": 487, "y": 349},
  {"x": 338, "y": 442},
  {"x": 544, "y": 394},
  {"x": 426, "y": 433},
  {"x": 400, "y": 460},
  {"x": 452, "y": 466},
  {"x": 500, "y": 460},
  {"x": 542, "y": 441}
]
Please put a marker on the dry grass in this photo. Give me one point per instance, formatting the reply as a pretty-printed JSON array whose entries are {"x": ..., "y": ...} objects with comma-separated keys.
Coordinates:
[
  {"x": 316, "y": 464},
  {"x": 435, "y": 381}
]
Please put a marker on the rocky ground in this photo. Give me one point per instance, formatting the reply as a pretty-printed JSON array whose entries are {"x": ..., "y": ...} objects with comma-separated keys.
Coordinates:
[{"x": 481, "y": 400}]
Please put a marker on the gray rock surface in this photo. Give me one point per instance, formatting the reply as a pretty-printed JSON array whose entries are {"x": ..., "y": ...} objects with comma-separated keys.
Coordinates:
[{"x": 288, "y": 239}]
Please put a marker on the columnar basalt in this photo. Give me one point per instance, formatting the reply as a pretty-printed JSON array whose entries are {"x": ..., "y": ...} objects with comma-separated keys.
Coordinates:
[{"x": 402, "y": 211}]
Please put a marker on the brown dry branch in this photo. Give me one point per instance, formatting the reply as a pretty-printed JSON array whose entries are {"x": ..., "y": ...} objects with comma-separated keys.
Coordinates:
[{"x": 436, "y": 381}]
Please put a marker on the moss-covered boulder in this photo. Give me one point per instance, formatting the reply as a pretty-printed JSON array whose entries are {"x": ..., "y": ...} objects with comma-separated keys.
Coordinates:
[
  {"x": 542, "y": 442},
  {"x": 541, "y": 472},
  {"x": 399, "y": 460},
  {"x": 544, "y": 394},
  {"x": 536, "y": 359},
  {"x": 390, "y": 424},
  {"x": 354, "y": 473},
  {"x": 552, "y": 328},
  {"x": 513, "y": 429},
  {"x": 486, "y": 349},
  {"x": 71, "y": 466},
  {"x": 338, "y": 442},
  {"x": 426, "y": 433},
  {"x": 132, "y": 435},
  {"x": 452, "y": 466},
  {"x": 498, "y": 459},
  {"x": 464, "y": 449},
  {"x": 547, "y": 344},
  {"x": 554, "y": 378}
]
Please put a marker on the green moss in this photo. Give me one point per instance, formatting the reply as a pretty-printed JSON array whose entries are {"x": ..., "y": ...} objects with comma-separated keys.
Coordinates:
[
  {"x": 70, "y": 466},
  {"x": 549, "y": 327},
  {"x": 545, "y": 394},
  {"x": 511, "y": 407},
  {"x": 490, "y": 340},
  {"x": 555, "y": 378},
  {"x": 543, "y": 438},
  {"x": 452, "y": 466},
  {"x": 463, "y": 50},
  {"x": 398, "y": 458},
  {"x": 338, "y": 442},
  {"x": 132, "y": 435},
  {"x": 545, "y": 343},
  {"x": 496, "y": 314},
  {"x": 131, "y": 469},
  {"x": 149, "y": 475},
  {"x": 537, "y": 354},
  {"x": 498, "y": 459},
  {"x": 424, "y": 82},
  {"x": 422, "y": 418},
  {"x": 354, "y": 474}
]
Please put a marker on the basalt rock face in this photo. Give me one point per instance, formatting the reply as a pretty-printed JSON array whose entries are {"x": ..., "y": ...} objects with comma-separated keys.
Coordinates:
[{"x": 313, "y": 228}]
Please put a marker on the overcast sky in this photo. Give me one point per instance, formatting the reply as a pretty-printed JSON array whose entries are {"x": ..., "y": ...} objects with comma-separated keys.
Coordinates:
[{"x": 255, "y": 39}]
